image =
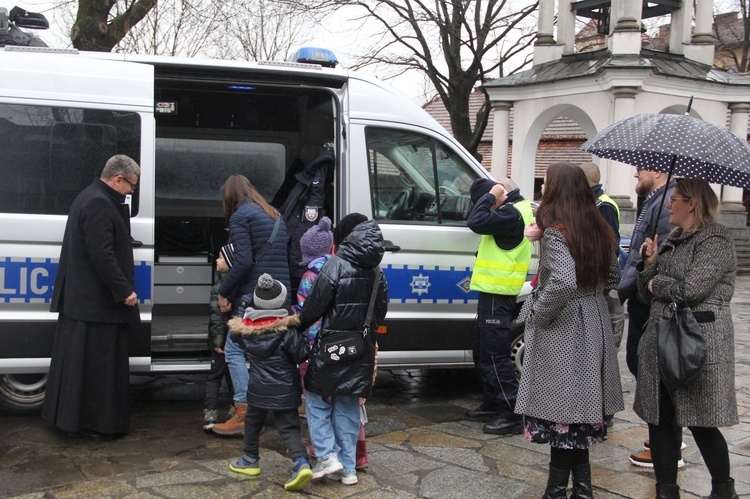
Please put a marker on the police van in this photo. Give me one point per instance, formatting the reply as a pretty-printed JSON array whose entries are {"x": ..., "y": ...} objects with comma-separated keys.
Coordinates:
[{"x": 190, "y": 123}]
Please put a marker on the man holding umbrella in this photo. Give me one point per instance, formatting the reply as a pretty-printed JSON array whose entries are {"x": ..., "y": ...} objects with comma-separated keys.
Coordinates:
[{"x": 650, "y": 187}]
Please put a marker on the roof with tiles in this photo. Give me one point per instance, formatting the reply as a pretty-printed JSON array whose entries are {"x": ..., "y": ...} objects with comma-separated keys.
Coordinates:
[{"x": 562, "y": 128}]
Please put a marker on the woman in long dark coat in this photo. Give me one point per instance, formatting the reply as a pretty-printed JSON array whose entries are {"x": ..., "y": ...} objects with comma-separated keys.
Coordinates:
[
  {"x": 94, "y": 293},
  {"x": 697, "y": 265},
  {"x": 571, "y": 378}
]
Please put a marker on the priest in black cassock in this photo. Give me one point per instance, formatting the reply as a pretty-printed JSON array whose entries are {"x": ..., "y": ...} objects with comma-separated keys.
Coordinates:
[{"x": 94, "y": 293}]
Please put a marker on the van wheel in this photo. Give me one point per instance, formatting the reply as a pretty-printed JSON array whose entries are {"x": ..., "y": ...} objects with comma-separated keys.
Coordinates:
[
  {"x": 22, "y": 394},
  {"x": 517, "y": 347}
]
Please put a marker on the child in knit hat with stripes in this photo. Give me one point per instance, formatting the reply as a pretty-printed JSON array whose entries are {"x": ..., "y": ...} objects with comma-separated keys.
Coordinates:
[
  {"x": 274, "y": 348},
  {"x": 217, "y": 333}
]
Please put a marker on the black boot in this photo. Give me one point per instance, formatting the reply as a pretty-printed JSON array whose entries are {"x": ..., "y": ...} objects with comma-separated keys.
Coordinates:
[
  {"x": 668, "y": 491},
  {"x": 557, "y": 484},
  {"x": 723, "y": 490},
  {"x": 582, "y": 482}
]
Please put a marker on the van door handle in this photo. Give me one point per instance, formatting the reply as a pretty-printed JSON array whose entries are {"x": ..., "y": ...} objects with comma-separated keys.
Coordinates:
[{"x": 389, "y": 246}]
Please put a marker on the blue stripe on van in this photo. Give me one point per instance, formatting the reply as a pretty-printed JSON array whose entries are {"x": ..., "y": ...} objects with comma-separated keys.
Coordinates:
[
  {"x": 429, "y": 284},
  {"x": 30, "y": 280}
]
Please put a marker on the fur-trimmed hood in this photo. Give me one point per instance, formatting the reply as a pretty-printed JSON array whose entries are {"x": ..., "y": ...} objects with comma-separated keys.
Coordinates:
[{"x": 249, "y": 327}]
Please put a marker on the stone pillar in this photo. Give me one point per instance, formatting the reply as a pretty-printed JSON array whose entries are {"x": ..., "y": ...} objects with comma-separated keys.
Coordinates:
[
  {"x": 566, "y": 26},
  {"x": 731, "y": 197},
  {"x": 620, "y": 175},
  {"x": 704, "y": 15},
  {"x": 625, "y": 19},
  {"x": 680, "y": 28},
  {"x": 545, "y": 34},
  {"x": 500, "y": 138},
  {"x": 701, "y": 47},
  {"x": 545, "y": 47}
]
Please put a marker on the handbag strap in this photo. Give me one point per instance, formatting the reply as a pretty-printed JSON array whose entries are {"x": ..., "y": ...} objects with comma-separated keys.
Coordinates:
[
  {"x": 371, "y": 306},
  {"x": 270, "y": 241}
]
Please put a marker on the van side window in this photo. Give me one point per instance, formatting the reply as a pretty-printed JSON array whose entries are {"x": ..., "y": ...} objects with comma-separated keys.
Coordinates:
[
  {"x": 50, "y": 154},
  {"x": 416, "y": 179}
]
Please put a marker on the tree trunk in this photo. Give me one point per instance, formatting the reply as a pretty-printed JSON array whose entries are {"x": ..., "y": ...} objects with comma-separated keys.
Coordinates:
[{"x": 93, "y": 30}]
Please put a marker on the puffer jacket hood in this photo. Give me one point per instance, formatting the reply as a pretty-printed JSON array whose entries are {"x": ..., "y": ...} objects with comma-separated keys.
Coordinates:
[
  {"x": 247, "y": 327},
  {"x": 274, "y": 347},
  {"x": 364, "y": 246}
]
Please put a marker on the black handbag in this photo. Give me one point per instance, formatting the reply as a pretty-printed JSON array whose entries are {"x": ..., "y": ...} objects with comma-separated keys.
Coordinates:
[
  {"x": 342, "y": 347},
  {"x": 680, "y": 346}
]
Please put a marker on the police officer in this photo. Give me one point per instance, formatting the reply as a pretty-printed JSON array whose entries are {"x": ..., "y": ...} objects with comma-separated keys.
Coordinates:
[{"x": 500, "y": 214}]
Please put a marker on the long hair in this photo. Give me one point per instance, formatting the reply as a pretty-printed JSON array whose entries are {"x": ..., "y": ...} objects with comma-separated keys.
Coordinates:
[
  {"x": 707, "y": 204},
  {"x": 568, "y": 205},
  {"x": 236, "y": 188}
]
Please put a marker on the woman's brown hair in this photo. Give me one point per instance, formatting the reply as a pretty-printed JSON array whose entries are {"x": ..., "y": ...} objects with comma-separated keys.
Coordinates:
[
  {"x": 568, "y": 205},
  {"x": 236, "y": 188}
]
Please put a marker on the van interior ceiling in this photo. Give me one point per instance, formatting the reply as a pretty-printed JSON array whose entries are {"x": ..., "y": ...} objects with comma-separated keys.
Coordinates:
[{"x": 206, "y": 131}]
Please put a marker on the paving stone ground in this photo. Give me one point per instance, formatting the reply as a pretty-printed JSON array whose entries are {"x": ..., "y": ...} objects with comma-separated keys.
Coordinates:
[{"x": 418, "y": 447}]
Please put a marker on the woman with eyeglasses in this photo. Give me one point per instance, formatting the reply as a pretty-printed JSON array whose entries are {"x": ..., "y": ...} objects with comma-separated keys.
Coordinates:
[{"x": 696, "y": 265}]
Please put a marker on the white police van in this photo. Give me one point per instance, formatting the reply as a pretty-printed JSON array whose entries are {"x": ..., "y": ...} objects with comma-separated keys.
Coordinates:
[{"x": 190, "y": 123}]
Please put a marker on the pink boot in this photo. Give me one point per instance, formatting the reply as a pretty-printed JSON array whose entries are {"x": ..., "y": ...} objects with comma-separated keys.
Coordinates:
[{"x": 362, "y": 461}]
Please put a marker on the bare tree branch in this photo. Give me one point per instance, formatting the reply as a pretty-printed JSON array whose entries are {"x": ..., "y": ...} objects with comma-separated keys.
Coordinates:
[{"x": 454, "y": 43}]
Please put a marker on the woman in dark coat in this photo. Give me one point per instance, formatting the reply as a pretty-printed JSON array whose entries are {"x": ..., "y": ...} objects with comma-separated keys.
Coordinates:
[
  {"x": 697, "y": 265},
  {"x": 341, "y": 296},
  {"x": 258, "y": 235},
  {"x": 571, "y": 378},
  {"x": 88, "y": 386}
]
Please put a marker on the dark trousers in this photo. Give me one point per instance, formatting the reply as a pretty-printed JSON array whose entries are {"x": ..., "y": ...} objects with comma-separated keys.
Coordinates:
[
  {"x": 492, "y": 352},
  {"x": 287, "y": 422},
  {"x": 219, "y": 371},
  {"x": 666, "y": 438},
  {"x": 638, "y": 313}
]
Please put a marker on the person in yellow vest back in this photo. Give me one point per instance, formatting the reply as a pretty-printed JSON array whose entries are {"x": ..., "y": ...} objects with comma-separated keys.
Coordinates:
[
  {"x": 607, "y": 206},
  {"x": 500, "y": 214}
]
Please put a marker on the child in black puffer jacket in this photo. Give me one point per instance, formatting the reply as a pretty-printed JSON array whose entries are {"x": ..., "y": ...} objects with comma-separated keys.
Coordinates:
[{"x": 273, "y": 347}]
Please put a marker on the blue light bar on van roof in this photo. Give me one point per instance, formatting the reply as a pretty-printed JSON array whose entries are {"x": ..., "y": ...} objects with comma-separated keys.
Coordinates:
[
  {"x": 314, "y": 55},
  {"x": 244, "y": 88}
]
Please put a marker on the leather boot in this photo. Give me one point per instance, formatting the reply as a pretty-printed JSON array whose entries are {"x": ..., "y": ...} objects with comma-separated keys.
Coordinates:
[
  {"x": 582, "y": 482},
  {"x": 557, "y": 484},
  {"x": 234, "y": 425},
  {"x": 667, "y": 491},
  {"x": 723, "y": 490}
]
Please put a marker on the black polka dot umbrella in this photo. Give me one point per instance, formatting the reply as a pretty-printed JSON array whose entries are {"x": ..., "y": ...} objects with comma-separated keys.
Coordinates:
[{"x": 676, "y": 144}]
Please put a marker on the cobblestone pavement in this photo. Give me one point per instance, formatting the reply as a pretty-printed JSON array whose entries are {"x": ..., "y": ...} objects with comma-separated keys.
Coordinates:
[{"x": 418, "y": 446}]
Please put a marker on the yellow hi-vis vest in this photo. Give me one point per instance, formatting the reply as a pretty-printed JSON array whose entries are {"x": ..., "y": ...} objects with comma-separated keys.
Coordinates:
[
  {"x": 606, "y": 199},
  {"x": 499, "y": 271}
]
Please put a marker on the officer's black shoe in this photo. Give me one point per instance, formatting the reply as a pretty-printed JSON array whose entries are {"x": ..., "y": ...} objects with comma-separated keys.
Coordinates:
[
  {"x": 481, "y": 414},
  {"x": 505, "y": 425}
]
